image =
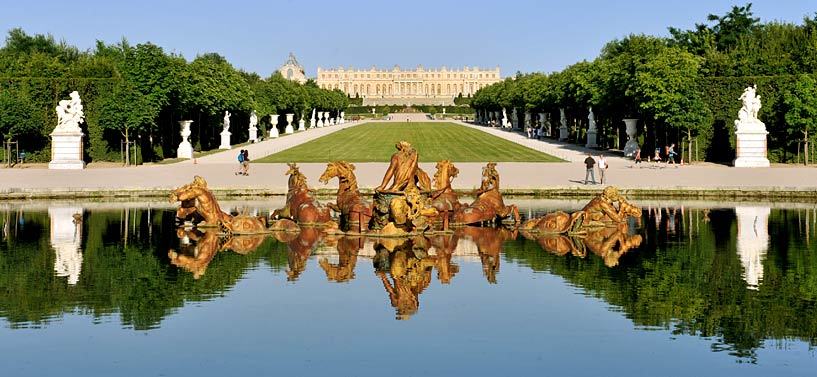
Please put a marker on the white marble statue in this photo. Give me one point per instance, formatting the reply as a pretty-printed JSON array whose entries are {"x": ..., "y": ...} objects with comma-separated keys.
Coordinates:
[
  {"x": 253, "y": 130},
  {"x": 226, "y": 123},
  {"x": 750, "y": 132},
  {"x": 563, "y": 127},
  {"x": 591, "y": 130},
  {"x": 751, "y": 105},
  {"x": 504, "y": 118},
  {"x": 312, "y": 120},
  {"x": 66, "y": 139},
  {"x": 70, "y": 114},
  {"x": 225, "y": 133}
]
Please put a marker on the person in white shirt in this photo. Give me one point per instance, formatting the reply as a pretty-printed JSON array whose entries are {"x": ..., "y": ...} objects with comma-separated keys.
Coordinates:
[{"x": 602, "y": 164}]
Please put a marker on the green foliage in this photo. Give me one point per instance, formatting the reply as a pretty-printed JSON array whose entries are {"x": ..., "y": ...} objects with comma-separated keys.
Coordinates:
[
  {"x": 801, "y": 106},
  {"x": 15, "y": 117},
  {"x": 140, "y": 89},
  {"x": 462, "y": 101},
  {"x": 685, "y": 86}
]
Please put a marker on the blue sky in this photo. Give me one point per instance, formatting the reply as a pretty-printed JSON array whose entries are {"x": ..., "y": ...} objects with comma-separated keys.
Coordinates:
[{"x": 256, "y": 36}]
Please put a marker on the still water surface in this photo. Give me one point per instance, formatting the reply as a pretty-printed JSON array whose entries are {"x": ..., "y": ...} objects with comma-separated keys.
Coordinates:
[{"x": 115, "y": 289}]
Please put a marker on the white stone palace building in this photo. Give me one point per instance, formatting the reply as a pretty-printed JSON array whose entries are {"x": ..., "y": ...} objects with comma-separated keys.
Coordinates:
[{"x": 397, "y": 86}]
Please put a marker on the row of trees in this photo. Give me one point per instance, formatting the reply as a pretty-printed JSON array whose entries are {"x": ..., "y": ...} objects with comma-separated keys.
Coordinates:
[
  {"x": 137, "y": 93},
  {"x": 684, "y": 87}
]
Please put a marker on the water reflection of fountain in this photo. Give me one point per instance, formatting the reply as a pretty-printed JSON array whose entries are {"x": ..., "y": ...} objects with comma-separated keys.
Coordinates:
[
  {"x": 404, "y": 265},
  {"x": 66, "y": 239},
  {"x": 752, "y": 242}
]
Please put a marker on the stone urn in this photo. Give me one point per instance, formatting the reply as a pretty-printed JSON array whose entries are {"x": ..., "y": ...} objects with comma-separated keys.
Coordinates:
[
  {"x": 273, "y": 121},
  {"x": 185, "y": 149},
  {"x": 288, "y": 129},
  {"x": 632, "y": 145}
]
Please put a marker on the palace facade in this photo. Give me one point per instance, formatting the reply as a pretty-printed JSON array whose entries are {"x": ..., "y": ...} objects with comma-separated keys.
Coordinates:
[{"x": 401, "y": 86}]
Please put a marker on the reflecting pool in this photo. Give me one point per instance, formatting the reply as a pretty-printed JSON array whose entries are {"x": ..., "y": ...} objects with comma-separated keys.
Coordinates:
[{"x": 690, "y": 288}]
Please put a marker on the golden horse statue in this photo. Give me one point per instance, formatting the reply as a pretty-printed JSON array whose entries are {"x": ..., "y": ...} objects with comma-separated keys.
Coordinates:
[
  {"x": 599, "y": 212},
  {"x": 488, "y": 206},
  {"x": 301, "y": 207},
  {"x": 354, "y": 212},
  {"x": 443, "y": 197},
  {"x": 198, "y": 202}
]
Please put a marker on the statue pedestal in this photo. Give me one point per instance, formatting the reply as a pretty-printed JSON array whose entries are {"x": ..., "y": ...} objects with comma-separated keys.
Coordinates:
[
  {"x": 563, "y": 135},
  {"x": 289, "y": 129},
  {"x": 225, "y": 140},
  {"x": 591, "y": 139},
  {"x": 312, "y": 123},
  {"x": 253, "y": 135},
  {"x": 301, "y": 125},
  {"x": 751, "y": 145},
  {"x": 273, "y": 132},
  {"x": 185, "y": 150},
  {"x": 66, "y": 151}
]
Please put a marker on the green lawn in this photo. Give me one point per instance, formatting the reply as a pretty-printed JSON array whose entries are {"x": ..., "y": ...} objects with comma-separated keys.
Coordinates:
[{"x": 374, "y": 142}]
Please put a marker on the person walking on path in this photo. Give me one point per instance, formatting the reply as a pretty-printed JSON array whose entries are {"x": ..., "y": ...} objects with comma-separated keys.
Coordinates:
[
  {"x": 671, "y": 155},
  {"x": 240, "y": 163},
  {"x": 602, "y": 164},
  {"x": 589, "y": 162},
  {"x": 245, "y": 165}
]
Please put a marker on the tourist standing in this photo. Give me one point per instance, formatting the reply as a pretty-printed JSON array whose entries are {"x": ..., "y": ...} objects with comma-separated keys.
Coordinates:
[
  {"x": 240, "y": 163},
  {"x": 602, "y": 164},
  {"x": 638, "y": 156},
  {"x": 589, "y": 162}
]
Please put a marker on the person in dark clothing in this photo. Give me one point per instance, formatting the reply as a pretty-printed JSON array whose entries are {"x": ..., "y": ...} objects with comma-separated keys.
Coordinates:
[
  {"x": 240, "y": 163},
  {"x": 590, "y": 162},
  {"x": 245, "y": 164}
]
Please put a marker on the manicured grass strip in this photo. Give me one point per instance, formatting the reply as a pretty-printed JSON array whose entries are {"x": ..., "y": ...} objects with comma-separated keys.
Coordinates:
[{"x": 374, "y": 142}]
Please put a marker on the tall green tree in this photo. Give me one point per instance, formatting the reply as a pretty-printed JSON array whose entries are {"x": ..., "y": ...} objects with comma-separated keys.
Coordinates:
[
  {"x": 801, "y": 110},
  {"x": 127, "y": 111},
  {"x": 667, "y": 91}
]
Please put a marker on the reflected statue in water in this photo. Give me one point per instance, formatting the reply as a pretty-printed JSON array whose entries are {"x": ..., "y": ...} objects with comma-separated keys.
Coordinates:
[
  {"x": 197, "y": 250},
  {"x": 409, "y": 265},
  {"x": 299, "y": 248},
  {"x": 610, "y": 243},
  {"x": 489, "y": 243},
  {"x": 444, "y": 246},
  {"x": 344, "y": 270}
]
